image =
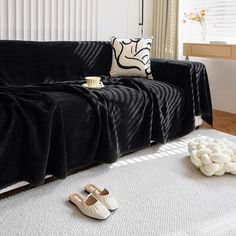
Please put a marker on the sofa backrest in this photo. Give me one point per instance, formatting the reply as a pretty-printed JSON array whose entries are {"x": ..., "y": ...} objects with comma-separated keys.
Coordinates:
[{"x": 29, "y": 62}]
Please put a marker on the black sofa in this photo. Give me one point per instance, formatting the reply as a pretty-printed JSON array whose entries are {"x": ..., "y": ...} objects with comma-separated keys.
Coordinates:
[{"x": 50, "y": 124}]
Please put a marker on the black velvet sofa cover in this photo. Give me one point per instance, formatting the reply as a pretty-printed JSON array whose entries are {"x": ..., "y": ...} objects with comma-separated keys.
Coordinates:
[{"x": 50, "y": 124}]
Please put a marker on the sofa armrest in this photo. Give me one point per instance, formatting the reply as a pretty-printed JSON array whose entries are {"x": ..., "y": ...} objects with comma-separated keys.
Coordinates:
[
  {"x": 170, "y": 71},
  {"x": 192, "y": 78}
]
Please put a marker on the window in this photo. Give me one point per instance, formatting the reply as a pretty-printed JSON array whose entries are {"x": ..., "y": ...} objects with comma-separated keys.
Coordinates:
[{"x": 220, "y": 20}]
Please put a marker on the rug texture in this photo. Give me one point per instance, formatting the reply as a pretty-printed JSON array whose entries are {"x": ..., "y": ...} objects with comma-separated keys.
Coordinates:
[{"x": 159, "y": 192}]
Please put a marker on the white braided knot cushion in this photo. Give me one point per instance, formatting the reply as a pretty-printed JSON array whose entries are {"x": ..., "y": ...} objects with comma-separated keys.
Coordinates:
[{"x": 213, "y": 156}]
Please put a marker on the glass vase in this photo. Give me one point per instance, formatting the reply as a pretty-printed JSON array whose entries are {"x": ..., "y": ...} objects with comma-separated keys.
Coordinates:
[{"x": 203, "y": 31}]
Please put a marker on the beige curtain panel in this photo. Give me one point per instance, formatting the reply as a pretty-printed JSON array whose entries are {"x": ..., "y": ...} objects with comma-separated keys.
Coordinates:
[{"x": 165, "y": 28}]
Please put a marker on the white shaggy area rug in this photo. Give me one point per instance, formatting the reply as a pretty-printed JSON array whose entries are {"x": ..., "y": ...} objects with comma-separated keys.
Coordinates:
[{"x": 159, "y": 191}]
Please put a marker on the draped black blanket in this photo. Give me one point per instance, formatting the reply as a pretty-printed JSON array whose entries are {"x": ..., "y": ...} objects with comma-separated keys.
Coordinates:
[{"x": 48, "y": 129}]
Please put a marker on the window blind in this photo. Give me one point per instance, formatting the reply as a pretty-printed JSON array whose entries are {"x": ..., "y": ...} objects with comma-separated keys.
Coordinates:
[{"x": 220, "y": 20}]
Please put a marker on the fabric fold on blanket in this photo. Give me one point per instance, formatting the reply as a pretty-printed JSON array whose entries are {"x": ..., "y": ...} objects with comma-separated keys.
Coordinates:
[{"x": 25, "y": 127}]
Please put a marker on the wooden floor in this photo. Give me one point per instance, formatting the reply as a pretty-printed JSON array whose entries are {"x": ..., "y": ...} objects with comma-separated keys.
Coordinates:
[{"x": 224, "y": 121}]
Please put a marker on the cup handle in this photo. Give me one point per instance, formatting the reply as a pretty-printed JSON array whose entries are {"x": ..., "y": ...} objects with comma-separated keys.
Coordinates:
[{"x": 101, "y": 83}]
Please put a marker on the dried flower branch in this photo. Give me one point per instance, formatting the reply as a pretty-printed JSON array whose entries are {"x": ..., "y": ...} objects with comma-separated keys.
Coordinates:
[{"x": 198, "y": 16}]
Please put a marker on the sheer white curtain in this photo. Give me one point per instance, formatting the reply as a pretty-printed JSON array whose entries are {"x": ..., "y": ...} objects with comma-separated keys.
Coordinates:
[
  {"x": 165, "y": 29},
  {"x": 48, "y": 19}
]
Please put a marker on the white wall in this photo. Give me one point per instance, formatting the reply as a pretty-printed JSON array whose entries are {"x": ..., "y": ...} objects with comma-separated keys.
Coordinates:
[
  {"x": 118, "y": 18},
  {"x": 73, "y": 19},
  {"x": 69, "y": 19},
  {"x": 222, "y": 76},
  {"x": 121, "y": 18}
]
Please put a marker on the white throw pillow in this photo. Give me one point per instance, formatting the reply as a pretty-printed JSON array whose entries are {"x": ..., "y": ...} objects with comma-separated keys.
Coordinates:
[{"x": 131, "y": 57}]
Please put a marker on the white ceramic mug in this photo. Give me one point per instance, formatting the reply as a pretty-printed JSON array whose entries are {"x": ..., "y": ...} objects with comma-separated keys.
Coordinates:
[{"x": 93, "y": 81}]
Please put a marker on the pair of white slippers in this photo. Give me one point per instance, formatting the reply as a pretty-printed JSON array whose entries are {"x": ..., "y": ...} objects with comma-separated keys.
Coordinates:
[{"x": 97, "y": 204}]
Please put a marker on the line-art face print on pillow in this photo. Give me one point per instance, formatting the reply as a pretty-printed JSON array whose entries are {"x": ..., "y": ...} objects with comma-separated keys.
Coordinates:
[{"x": 131, "y": 57}]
